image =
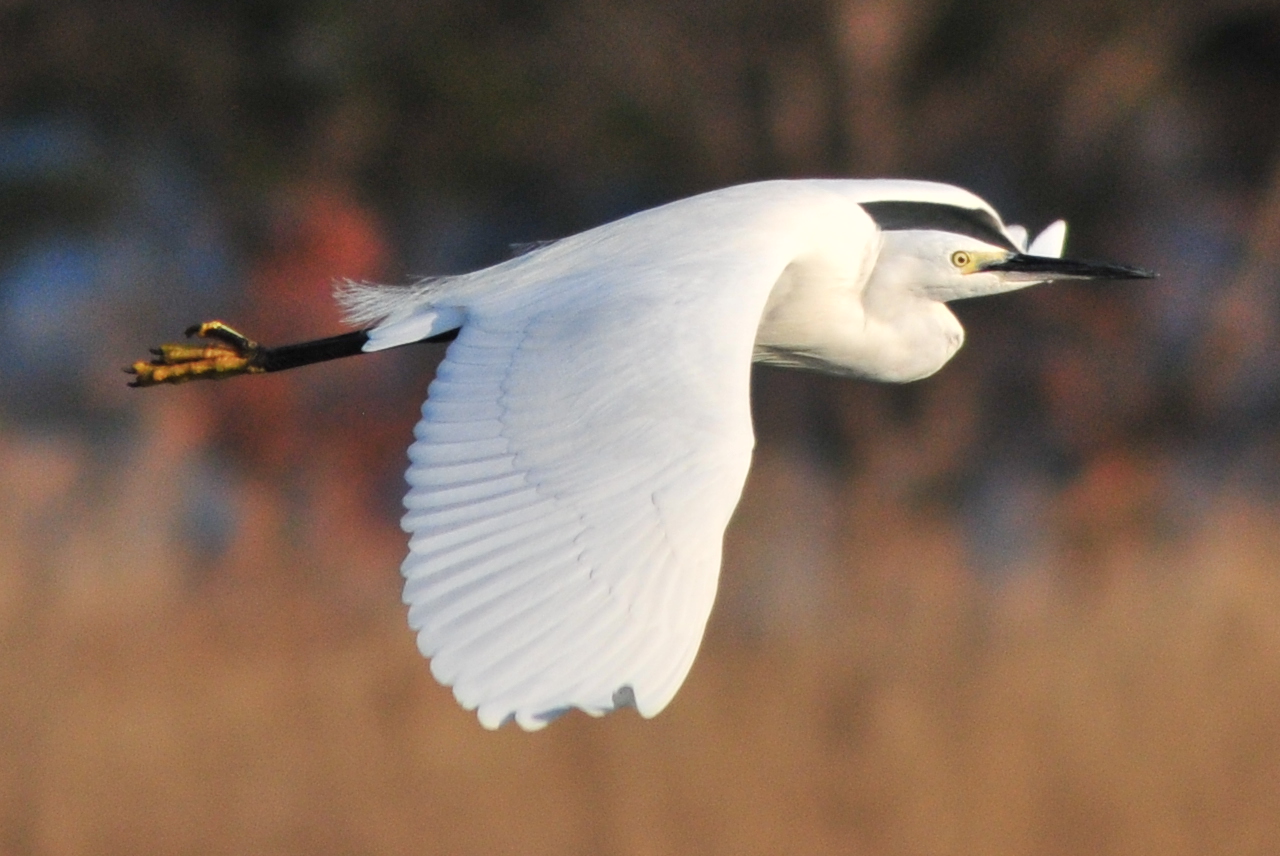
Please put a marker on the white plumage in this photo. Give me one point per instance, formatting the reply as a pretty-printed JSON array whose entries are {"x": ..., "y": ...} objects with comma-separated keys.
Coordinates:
[{"x": 588, "y": 433}]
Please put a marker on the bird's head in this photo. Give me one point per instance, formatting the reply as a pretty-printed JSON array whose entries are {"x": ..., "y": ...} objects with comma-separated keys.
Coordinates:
[{"x": 948, "y": 252}]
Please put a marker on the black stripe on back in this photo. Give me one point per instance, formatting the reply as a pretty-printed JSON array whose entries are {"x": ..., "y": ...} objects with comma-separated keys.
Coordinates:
[{"x": 895, "y": 216}]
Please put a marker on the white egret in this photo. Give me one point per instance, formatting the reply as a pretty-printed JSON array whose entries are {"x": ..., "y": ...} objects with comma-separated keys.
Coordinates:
[{"x": 586, "y": 438}]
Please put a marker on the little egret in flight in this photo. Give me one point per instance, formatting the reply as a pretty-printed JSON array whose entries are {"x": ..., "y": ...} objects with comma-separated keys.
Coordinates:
[{"x": 587, "y": 436}]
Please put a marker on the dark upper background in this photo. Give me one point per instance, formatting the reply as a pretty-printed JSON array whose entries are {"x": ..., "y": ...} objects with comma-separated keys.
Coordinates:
[{"x": 1027, "y": 605}]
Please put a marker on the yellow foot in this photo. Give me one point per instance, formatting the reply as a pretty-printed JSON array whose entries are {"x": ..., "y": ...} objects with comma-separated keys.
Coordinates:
[{"x": 229, "y": 354}]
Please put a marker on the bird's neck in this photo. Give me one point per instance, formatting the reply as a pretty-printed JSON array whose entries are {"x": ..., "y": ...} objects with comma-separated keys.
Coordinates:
[
  {"x": 908, "y": 338},
  {"x": 832, "y": 326}
]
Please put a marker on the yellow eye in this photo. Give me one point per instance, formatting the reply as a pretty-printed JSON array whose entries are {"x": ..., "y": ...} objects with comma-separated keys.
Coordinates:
[{"x": 961, "y": 259}]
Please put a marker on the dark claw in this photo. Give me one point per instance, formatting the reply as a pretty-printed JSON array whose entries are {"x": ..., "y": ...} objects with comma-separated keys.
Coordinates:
[
  {"x": 156, "y": 352},
  {"x": 191, "y": 331}
]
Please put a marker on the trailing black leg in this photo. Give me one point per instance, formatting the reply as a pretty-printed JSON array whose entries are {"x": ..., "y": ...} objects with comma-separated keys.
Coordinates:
[{"x": 229, "y": 353}]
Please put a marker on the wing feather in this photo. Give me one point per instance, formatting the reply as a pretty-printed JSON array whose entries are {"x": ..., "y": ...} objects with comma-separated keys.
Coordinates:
[
  {"x": 508, "y": 654},
  {"x": 453, "y": 596},
  {"x": 479, "y": 537},
  {"x": 451, "y": 407},
  {"x": 444, "y": 502},
  {"x": 430, "y": 495},
  {"x": 488, "y": 469},
  {"x": 462, "y": 452},
  {"x": 456, "y": 612}
]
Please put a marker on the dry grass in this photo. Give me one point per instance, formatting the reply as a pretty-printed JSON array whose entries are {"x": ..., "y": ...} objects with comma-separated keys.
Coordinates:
[{"x": 897, "y": 706}]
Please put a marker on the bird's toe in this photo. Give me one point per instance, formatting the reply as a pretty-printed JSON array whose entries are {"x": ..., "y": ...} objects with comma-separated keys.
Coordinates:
[{"x": 227, "y": 354}]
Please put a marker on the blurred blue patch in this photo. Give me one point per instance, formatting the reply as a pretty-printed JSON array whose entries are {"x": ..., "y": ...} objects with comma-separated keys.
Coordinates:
[
  {"x": 42, "y": 295},
  {"x": 38, "y": 150}
]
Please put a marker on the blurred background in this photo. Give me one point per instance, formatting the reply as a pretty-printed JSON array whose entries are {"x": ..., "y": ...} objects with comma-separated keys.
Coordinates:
[{"x": 1029, "y": 605}]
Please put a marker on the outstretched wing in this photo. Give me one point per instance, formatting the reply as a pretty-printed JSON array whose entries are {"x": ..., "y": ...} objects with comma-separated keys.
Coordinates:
[{"x": 582, "y": 448}]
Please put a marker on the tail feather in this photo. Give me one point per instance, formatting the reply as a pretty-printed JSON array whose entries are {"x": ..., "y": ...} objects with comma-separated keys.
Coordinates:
[
  {"x": 397, "y": 314},
  {"x": 366, "y": 303}
]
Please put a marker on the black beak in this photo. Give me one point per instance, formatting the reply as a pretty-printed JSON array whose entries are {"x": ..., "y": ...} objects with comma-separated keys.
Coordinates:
[{"x": 1044, "y": 267}]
